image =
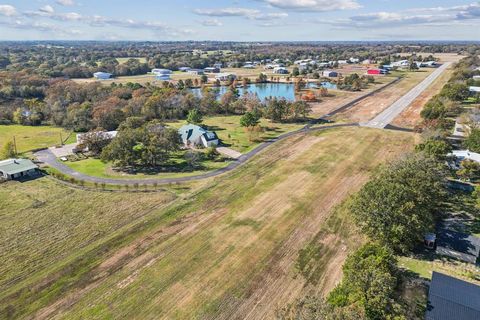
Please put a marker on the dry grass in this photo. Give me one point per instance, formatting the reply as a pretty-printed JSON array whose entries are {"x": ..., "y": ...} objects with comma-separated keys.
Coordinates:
[
  {"x": 229, "y": 251},
  {"x": 367, "y": 109}
]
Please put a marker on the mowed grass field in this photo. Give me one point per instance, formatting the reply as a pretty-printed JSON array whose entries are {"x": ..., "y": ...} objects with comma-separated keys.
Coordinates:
[
  {"x": 30, "y": 138},
  {"x": 226, "y": 250},
  {"x": 238, "y": 138},
  {"x": 178, "y": 167}
]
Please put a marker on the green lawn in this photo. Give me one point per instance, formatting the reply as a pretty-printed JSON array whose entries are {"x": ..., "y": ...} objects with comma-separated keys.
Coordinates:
[
  {"x": 177, "y": 168},
  {"x": 236, "y": 137},
  {"x": 425, "y": 267},
  {"x": 29, "y": 138},
  {"x": 123, "y": 60}
]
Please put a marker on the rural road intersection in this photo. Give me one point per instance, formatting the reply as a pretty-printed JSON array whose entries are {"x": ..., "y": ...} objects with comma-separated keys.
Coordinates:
[{"x": 387, "y": 116}]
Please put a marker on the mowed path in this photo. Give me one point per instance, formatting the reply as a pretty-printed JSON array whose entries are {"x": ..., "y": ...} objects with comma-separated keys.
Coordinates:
[
  {"x": 232, "y": 253},
  {"x": 389, "y": 114}
]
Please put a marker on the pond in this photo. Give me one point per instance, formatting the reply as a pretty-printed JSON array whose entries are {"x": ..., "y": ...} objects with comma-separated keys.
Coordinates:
[
  {"x": 266, "y": 90},
  {"x": 262, "y": 90},
  {"x": 325, "y": 84}
]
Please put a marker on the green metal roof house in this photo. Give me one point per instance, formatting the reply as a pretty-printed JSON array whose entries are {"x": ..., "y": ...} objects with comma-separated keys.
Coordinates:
[
  {"x": 17, "y": 168},
  {"x": 194, "y": 135}
]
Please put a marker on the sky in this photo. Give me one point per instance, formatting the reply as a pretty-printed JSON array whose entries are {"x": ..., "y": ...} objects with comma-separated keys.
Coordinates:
[{"x": 246, "y": 20}]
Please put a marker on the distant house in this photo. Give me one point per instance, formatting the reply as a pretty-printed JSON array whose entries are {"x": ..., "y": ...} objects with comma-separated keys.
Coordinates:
[
  {"x": 184, "y": 69},
  {"x": 162, "y": 77},
  {"x": 474, "y": 89},
  {"x": 161, "y": 71},
  {"x": 196, "y": 72},
  {"x": 461, "y": 155},
  {"x": 193, "y": 135},
  {"x": 342, "y": 61},
  {"x": 108, "y": 135},
  {"x": 452, "y": 299},
  {"x": 458, "y": 245},
  {"x": 249, "y": 66},
  {"x": 280, "y": 70},
  {"x": 476, "y": 78},
  {"x": 354, "y": 60},
  {"x": 218, "y": 65},
  {"x": 225, "y": 76},
  {"x": 428, "y": 64},
  {"x": 401, "y": 64},
  {"x": 367, "y": 61},
  {"x": 211, "y": 70},
  {"x": 330, "y": 74},
  {"x": 17, "y": 168},
  {"x": 102, "y": 75}
]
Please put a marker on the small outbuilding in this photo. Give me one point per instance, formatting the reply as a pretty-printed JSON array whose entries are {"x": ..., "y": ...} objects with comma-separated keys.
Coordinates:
[
  {"x": 211, "y": 70},
  {"x": 474, "y": 90},
  {"x": 330, "y": 74},
  {"x": 225, "y": 76},
  {"x": 196, "y": 72},
  {"x": 193, "y": 135},
  {"x": 102, "y": 75},
  {"x": 16, "y": 168},
  {"x": 280, "y": 70}
]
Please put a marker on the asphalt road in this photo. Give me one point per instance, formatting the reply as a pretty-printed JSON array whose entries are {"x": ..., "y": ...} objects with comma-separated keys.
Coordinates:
[
  {"x": 46, "y": 156},
  {"x": 387, "y": 116}
]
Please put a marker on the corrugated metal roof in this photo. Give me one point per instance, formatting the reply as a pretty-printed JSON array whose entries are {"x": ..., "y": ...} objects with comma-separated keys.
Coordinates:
[
  {"x": 452, "y": 299},
  {"x": 13, "y": 166},
  {"x": 458, "y": 245}
]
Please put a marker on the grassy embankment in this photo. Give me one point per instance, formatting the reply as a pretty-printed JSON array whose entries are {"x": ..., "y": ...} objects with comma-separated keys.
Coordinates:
[
  {"x": 229, "y": 250},
  {"x": 30, "y": 138}
]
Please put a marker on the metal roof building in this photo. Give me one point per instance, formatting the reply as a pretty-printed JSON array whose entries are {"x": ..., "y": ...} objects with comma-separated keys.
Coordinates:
[
  {"x": 452, "y": 299},
  {"x": 16, "y": 168},
  {"x": 458, "y": 245}
]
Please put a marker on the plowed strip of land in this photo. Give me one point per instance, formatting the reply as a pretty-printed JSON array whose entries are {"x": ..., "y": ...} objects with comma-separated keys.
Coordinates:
[
  {"x": 410, "y": 117},
  {"x": 231, "y": 251},
  {"x": 370, "y": 107}
]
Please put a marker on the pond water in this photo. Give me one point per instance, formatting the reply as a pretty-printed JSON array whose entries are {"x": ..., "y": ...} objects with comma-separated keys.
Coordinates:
[
  {"x": 266, "y": 90},
  {"x": 325, "y": 84},
  {"x": 262, "y": 90}
]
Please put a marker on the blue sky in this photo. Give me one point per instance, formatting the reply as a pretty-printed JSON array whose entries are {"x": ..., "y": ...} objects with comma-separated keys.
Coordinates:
[{"x": 247, "y": 20}]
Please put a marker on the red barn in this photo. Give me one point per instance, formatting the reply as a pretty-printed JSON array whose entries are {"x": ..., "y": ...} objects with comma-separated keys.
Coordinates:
[{"x": 374, "y": 71}]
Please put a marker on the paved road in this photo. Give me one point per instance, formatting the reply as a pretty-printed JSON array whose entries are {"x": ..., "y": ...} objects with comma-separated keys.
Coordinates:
[
  {"x": 387, "y": 116},
  {"x": 46, "y": 156}
]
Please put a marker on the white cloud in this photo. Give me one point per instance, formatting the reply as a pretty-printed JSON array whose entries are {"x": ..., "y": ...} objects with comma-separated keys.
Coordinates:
[
  {"x": 314, "y": 5},
  {"x": 65, "y": 2},
  {"x": 438, "y": 16},
  {"x": 252, "y": 14},
  {"x": 7, "y": 10},
  {"x": 227, "y": 12},
  {"x": 47, "y": 9},
  {"x": 39, "y": 26},
  {"x": 211, "y": 23}
]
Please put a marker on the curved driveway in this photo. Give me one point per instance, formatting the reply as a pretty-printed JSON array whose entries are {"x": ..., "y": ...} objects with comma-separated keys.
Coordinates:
[
  {"x": 46, "y": 156},
  {"x": 49, "y": 158}
]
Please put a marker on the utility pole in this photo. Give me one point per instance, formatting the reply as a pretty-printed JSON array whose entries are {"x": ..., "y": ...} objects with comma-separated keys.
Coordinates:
[{"x": 15, "y": 145}]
